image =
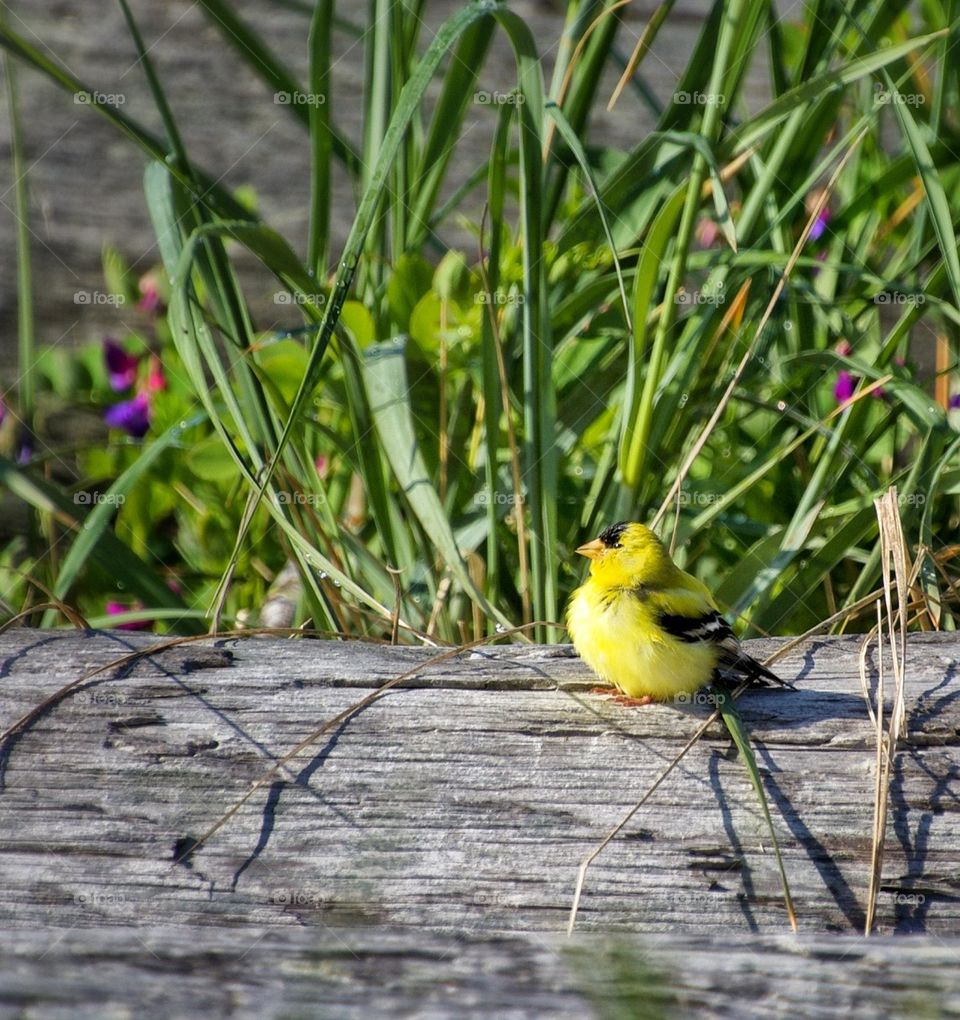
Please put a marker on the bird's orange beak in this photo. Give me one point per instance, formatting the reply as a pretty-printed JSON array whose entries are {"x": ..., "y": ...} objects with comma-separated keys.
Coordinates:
[{"x": 592, "y": 549}]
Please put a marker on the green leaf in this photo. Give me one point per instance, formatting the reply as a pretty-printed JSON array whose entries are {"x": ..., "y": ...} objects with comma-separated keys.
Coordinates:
[
  {"x": 412, "y": 277},
  {"x": 359, "y": 321},
  {"x": 282, "y": 364},
  {"x": 211, "y": 461},
  {"x": 457, "y": 325}
]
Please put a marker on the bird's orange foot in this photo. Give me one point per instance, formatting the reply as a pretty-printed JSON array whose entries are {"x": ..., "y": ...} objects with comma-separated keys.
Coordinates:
[{"x": 622, "y": 699}]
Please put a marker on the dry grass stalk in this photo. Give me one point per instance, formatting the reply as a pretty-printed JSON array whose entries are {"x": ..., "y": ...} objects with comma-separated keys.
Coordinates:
[{"x": 896, "y": 585}]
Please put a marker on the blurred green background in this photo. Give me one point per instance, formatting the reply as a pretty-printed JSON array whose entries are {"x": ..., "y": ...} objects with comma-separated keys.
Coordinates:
[{"x": 419, "y": 312}]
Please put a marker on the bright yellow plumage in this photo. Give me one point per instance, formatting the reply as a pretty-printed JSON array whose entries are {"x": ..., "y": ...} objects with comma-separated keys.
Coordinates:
[{"x": 646, "y": 626}]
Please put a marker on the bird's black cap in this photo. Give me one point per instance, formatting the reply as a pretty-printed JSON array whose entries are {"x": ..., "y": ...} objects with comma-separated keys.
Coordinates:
[{"x": 611, "y": 536}]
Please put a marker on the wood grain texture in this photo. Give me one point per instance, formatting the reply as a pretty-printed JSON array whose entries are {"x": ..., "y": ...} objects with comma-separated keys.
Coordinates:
[
  {"x": 455, "y": 811},
  {"x": 358, "y": 974}
]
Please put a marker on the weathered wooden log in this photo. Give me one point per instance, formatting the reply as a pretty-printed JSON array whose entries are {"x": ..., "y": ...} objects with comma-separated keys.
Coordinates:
[{"x": 457, "y": 808}]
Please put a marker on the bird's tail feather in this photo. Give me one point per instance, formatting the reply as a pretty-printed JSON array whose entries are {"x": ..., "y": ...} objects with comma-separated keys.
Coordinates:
[{"x": 747, "y": 666}]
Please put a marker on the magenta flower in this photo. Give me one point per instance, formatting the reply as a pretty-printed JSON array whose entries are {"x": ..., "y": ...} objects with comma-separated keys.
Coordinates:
[
  {"x": 133, "y": 416},
  {"x": 156, "y": 380},
  {"x": 150, "y": 300},
  {"x": 121, "y": 366},
  {"x": 116, "y": 608},
  {"x": 844, "y": 387},
  {"x": 707, "y": 231}
]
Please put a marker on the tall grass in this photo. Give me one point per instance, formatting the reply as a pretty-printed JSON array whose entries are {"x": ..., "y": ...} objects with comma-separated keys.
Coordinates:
[{"x": 462, "y": 421}]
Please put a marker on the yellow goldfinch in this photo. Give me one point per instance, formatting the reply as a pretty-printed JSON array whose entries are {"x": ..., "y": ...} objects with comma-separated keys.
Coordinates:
[{"x": 648, "y": 627}]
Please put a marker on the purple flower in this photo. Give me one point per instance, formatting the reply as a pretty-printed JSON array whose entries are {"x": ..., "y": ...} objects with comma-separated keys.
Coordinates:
[
  {"x": 131, "y": 415},
  {"x": 844, "y": 387},
  {"x": 954, "y": 403},
  {"x": 820, "y": 224},
  {"x": 121, "y": 366}
]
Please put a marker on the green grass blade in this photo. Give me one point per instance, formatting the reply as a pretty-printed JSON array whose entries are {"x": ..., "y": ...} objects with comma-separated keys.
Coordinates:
[
  {"x": 585, "y": 78},
  {"x": 385, "y": 376},
  {"x": 406, "y": 106},
  {"x": 540, "y": 454},
  {"x": 321, "y": 139},
  {"x": 738, "y": 733},
  {"x": 156, "y": 90},
  {"x": 814, "y": 88},
  {"x": 455, "y": 98},
  {"x": 570, "y": 137},
  {"x": 731, "y": 32},
  {"x": 643, "y": 363},
  {"x": 493, "y": 391},
  {"x": 940, "y": 215},
  {"x": 26, "y": 357}
]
